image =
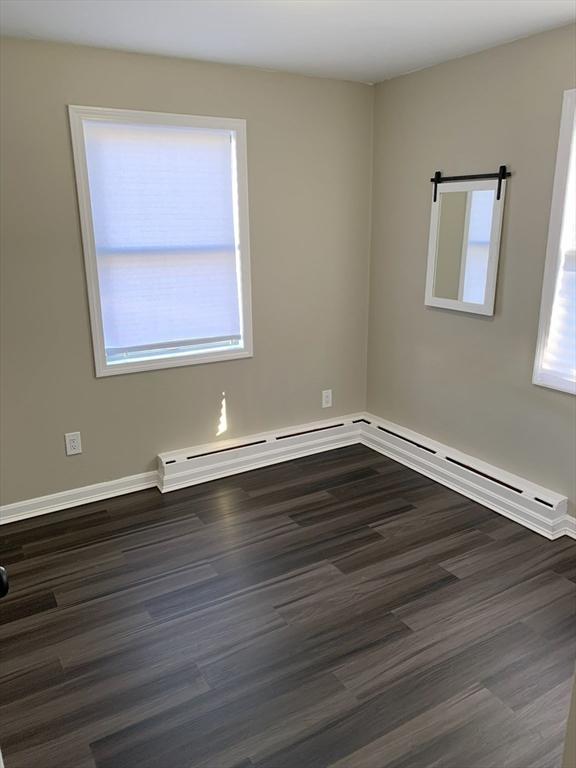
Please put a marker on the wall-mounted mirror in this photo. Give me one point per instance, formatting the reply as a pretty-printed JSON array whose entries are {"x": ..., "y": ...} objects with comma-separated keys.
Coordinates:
[{"x": 464, "y": 245}]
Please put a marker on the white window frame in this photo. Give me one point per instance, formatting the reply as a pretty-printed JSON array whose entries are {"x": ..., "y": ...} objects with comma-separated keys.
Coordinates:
[
  {"x": 540, "y": 376},
  {"x": 77, "y": 115}
]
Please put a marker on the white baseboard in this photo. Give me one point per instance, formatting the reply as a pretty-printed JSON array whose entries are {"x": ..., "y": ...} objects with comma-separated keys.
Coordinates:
[
  {"x": 41, "y": 505},
  {"x": 204, "y": 470},
  {"x": 566, "y": 528},
  {"x": 535, "y": 507}
]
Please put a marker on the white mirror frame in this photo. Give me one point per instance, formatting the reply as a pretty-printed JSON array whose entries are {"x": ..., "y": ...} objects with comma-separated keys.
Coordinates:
[{"x": 487, "y": 308}]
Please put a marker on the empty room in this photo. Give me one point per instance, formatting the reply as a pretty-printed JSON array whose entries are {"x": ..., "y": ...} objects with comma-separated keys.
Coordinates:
[{"x": 288, "y": 383}]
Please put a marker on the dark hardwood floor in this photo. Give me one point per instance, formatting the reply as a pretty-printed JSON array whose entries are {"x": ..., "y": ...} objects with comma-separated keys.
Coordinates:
[{"x": 339, "y": 610}]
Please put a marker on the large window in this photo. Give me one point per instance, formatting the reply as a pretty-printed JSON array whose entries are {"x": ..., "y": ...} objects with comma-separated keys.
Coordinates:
[
  {"x": 555, "y": 364},
  {"x": 164, "y": 213}
]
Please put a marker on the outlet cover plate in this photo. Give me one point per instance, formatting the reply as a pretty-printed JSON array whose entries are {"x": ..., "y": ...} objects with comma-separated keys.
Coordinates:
[{"x": 73, "y": 442}]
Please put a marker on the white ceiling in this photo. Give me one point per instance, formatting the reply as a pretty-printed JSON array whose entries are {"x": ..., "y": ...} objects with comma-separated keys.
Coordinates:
[{"x": 366, "y": 40}]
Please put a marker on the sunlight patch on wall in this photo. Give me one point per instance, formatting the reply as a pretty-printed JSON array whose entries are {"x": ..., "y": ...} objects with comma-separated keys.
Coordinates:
[{"x": 223, "y": 422}]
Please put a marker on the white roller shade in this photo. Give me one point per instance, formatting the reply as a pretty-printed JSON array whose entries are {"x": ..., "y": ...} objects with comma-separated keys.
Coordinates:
[
  {"x": 560, "y": 351},
  {"x": 164, "y": 223},
  {"x": 556, "y": 355}
]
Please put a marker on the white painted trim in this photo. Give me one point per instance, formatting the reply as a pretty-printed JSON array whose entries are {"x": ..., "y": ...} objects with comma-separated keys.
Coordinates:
[
  {"x": 200, "y": 464},
  {"x": 21, "y": 510},
  {"x": 487, "y": 308},
  {"x": 237, "y": 127},
  {"x": 567, "y": 527},
  {"x": 541, "y": 377}
]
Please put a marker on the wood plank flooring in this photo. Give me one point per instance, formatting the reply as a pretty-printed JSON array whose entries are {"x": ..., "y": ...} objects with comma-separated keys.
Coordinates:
[{"x": 338, "y": 611}]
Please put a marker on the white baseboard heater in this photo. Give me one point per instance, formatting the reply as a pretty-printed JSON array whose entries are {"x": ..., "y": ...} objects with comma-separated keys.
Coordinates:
[
  {"x": 531, "y": 505},
  {"x": 190, "y": 466}
]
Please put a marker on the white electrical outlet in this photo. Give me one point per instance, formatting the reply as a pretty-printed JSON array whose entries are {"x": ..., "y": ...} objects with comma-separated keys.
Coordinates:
[
  {"x": 73, "y": 443},
  {"x": 327, "y": 398}
]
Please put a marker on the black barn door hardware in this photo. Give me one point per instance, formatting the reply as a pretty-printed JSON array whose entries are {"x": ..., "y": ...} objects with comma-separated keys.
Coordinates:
[{"x": 501, "y": 174}]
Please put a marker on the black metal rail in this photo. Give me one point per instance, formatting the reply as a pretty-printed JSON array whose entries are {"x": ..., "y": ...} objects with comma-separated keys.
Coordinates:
[{"x": 501, "y": 174}]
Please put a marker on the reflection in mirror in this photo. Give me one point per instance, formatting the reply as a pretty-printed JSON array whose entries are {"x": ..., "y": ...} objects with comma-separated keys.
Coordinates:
[
  {"x": 450, "y": 239},
  {"x": 464, "y": 244},
  {"x": 477, "y": 245}
]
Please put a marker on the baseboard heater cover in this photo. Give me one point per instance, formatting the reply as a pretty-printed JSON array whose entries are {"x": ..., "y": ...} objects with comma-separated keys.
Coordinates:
[
  {"x": 190, "y": 466},
  {"x": 533, "y": 506},
  {"x": 538, "y": 508}
]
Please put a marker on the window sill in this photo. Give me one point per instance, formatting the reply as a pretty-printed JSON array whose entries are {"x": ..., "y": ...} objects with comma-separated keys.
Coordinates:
[
  {"x": 116, "y": 369},
  {"x": 554, "y": 382}
]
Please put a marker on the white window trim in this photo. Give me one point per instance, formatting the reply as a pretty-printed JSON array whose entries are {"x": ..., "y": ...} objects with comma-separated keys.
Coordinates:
[
  {"x": 77, "y": 114},
  {"x": 541, "y": 377}
]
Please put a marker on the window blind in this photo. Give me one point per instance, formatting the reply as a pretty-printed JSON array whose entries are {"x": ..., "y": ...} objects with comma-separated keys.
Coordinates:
[
  {"x": 558, "y": 360},
  {"x": 164, "y": 221},
  {"x": 560, "y": 350}
]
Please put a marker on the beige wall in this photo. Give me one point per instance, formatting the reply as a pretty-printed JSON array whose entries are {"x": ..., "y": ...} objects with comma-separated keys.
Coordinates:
[
  {"x": 466, "y": 380},
  {"x": 309, "y": 157}
]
